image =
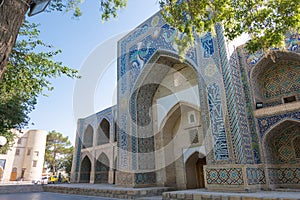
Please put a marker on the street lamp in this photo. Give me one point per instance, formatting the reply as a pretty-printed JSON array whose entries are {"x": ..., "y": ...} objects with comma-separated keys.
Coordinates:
[
  {"x": 3, "y": 141},
  {"x": 38, "y": 6}
]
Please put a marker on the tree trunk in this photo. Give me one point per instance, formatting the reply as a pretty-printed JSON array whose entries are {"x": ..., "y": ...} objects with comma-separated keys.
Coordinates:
[{"x": 12, "y": 15}]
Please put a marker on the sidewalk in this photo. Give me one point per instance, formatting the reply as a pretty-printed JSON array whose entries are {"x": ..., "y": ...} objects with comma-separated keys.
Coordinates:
[
  {"x": 203, "y": 194},
  {"x": 107, "y": 191}
]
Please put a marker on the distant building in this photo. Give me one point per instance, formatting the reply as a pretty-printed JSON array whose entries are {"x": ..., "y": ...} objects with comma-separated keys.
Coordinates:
[{"x": 25, "y": 160}]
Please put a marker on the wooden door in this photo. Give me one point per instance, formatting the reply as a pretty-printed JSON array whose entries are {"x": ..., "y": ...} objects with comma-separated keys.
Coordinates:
[
  {"x": 13, "y": 176},
  {"x": 200, "y": 172}
]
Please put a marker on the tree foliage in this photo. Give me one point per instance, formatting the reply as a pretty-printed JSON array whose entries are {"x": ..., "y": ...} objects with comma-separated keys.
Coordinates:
[
  {"x": 265, "y": 21},
  {"x": 59, "y": 152},
  {"x": 66, "y": 163},
  {"x": 28, "y": 74}
]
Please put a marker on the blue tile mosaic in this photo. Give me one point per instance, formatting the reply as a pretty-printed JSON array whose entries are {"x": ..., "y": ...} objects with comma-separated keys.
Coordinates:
[
  {"x": 207, "y": 45},
  {"x": 265, "y": 123},
  {"x": 217, "y": 122},
  {"x": 235, "y": 104}
]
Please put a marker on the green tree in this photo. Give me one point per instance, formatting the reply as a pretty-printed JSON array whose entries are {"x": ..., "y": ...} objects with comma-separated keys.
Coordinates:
[
  {"x": 28, "y": 75},
  {"x": 12, "y": 17},
  {"x": 58, "y": 151},
  {"x": 66, "y": 163},
  {"x": 266, "y": 21}
]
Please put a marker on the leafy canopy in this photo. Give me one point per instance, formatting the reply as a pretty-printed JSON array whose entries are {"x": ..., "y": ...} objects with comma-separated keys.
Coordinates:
[
  {"x": 265, "y": 21},
  {"x": 28, "y": 75},
  {"x": 59, "y": 152}
]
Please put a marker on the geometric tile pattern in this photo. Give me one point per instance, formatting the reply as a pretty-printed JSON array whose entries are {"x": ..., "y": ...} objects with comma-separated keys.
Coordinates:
[
  {"x": 255, "y": 176},
  {"x": 279, "y": 145},
  {"x": 145, "y": 178},
  {"x": 144, "y": 122},
  {"x": 265, "y": 123},
  {"x": 227, "y": 176},
  {"x": 296, "y": 146},
  {"x": 280, "y": 79},
  {"x": 235, "y": 105},
  {"x": 135, "y": 51},
  {"x": 139, "y": 48},
  {"x": 284, "y": 175},
  {"x": 237, "y": 59},
  {"x": 217, "y": 122}
]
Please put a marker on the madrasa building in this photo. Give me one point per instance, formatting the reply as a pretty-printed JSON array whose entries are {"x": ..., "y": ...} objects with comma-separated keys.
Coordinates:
[{"x": 221, "y": 119}]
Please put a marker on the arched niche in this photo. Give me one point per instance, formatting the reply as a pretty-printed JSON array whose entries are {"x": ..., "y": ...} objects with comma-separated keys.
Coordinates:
[
  {"x": 102, "y": 169},
  {"x": 281, "y": 143},
  {"x": 103, "y": 132},
  {"x": 85, "y": 170},
  {"x": 275, "y": 79},
  {"x": 88, "y": 137}
]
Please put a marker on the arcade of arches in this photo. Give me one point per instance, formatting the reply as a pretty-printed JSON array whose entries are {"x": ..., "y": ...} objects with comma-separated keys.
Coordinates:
[{"x": 213, "y": 121}]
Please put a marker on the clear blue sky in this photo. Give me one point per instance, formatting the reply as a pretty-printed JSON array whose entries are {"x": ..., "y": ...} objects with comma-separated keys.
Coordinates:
[{"x": 77, "y": 38}]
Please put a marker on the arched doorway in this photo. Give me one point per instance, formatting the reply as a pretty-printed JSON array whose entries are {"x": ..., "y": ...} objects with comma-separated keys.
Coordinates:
[
  {"x": 13, "y": 175},
  {"x": 160, "y": 87},
  {"x": 195, "y": 172},
  {"x": 102, "y": 169},
  {"x": 88, "y": 137},
  {"x": 103, "y": 132},
  {"x": 85, "y": 170},
  {"x": 281, "y": 152},
  {"x": 179, "y": 130}
]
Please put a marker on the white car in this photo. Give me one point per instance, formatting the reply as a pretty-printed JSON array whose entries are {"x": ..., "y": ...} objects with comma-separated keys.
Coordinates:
[{"x": 43, "y": 180}]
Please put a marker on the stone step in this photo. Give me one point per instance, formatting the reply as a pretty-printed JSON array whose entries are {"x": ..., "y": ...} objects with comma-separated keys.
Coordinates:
[
  {"x": 150, "y": 198},
  {"x": 207, "y": 195},
  {"x": 109, "y": 191}
]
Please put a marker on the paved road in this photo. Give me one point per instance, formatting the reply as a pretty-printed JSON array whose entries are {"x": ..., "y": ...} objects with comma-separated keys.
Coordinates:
[{"x": 50, "y": 196}]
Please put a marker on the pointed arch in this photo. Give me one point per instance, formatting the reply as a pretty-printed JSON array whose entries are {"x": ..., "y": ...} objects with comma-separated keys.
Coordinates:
[
  {"x": 194, "y": 171},
  {"x": 103, "y": 132},
  {"x": 102, "y": 169},
  {"x": 275, "y": 80},
  {"x": 278, "y": 147},
  {"x": 177, "y": 108},
  {"x": 88, "y": 137},
  {"x": 85, "y": 170}
]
